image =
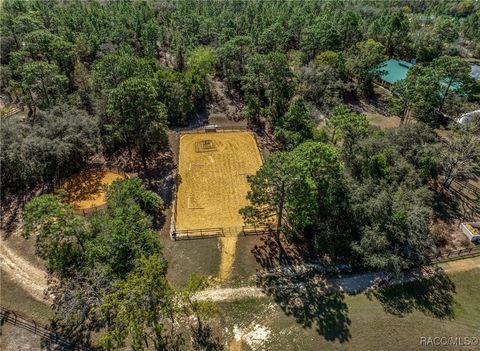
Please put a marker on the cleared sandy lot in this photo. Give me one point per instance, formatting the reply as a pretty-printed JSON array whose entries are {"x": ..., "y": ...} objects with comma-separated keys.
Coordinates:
[
  {"x": 87, "y": 188},
  {"x": 213, "y": 169}
]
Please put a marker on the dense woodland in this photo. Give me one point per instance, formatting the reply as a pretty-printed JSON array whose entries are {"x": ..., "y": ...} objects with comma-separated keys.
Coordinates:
[{"x": 99, "y": 77}]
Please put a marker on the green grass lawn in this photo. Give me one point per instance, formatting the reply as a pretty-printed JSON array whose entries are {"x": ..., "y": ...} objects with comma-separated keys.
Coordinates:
[{"x": 393, "y": 319}]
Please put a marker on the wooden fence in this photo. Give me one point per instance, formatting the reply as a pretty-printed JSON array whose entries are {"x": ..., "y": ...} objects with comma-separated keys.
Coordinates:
[
  {"x": 13, "y": 318},
  {"x": 454, "y": 255},
  {"x": 207, "y": 129},
  {"x": 206, "y": 233},
  {"x": 256, "y": 230}
]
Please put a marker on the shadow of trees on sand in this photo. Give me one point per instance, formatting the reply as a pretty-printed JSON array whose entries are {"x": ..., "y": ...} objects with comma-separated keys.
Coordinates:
[
  {"x": 305, "y": 294},
  {"x": 301, "y": 293},
  {"x": 432, "y": 296}
]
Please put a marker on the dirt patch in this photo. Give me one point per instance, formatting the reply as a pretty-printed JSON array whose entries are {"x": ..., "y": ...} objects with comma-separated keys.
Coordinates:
[
  {"x": 213, "y": 170},
  {"x": 22, "y": 272},
  {"x": 255, "y": 336},
  {"x": 228, "y": 247},
  {"x": 87, "y": 188},
  {"x": 381, "y": 121},
  {"x": 222, "y": 109},
  {"x": 228, "y": 294}
]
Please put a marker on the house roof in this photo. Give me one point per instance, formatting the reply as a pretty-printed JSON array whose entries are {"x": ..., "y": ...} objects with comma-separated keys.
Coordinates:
[{"x": 394, "y": 70}]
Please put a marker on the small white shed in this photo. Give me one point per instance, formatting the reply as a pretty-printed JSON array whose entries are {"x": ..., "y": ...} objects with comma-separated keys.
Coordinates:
[{"x": 471, "y": 230}]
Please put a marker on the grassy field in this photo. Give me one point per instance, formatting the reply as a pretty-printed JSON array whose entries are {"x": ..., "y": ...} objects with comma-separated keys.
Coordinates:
[
  {"x": 381, "y": 121},
  {"x": 389, "y": 319},
  {"x": 392, "y": 319}
]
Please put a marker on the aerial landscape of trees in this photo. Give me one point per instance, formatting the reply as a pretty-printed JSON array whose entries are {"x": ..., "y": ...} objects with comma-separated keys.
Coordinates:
[{"x": 108, "y": 78}]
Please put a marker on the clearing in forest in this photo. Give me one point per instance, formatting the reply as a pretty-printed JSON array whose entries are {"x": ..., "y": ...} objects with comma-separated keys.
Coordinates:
[
  {"x": 212, "y": 184},
  {"x": 87, "y": 189}
]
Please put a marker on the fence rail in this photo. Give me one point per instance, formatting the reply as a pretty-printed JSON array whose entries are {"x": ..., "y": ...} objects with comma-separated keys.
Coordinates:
[
  {"x": 256, "y": 230},
  {"x": 207, "y": 129},
  {"x": 13, "y": 318},
  {"x": 453, "y": 255},
  {"x": 203, "y": 233},
  {"x": 206, "y": 233}
]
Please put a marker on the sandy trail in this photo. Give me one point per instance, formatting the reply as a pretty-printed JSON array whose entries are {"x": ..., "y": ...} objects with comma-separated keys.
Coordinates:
[
  {"x": 348, "y": 284},
  {"x": 32, "y": 279},
  {"x": 228, "y": 246}
]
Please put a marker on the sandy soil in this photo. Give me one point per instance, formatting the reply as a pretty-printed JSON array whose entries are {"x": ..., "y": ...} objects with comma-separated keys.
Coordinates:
[
  {"x": 228, "y": 247},
  {"x": 87, "y": 189},
  {"x": 213, "y": 178},
  {"x": 348, "y": 284},
  {"x": 228, "y": 294},
  {"x": 29, "y": 277}
]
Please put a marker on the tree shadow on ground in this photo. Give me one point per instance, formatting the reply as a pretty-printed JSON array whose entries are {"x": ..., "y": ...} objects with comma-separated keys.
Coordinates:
[
  {"x": 445, "y": 207},
  {"x": 460, "y": 201},
  {"x": 84, "y": 185},
  {"x": 12, "y": 211},
  {"x": 204, "y": 339},
  {"x": 271, "y": 253},
  {"x": 300, "y": 292},
  {"x": 433, "y": 296},
  {"x": 468, "y": 200}
]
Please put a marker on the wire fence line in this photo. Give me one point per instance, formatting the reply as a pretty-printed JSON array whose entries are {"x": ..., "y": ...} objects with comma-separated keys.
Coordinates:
[{"x": 45, "y": 332}]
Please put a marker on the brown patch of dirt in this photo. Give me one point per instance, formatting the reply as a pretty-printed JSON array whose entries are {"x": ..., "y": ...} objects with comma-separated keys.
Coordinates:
[
  {"x": 222, "y": 109},
  {"x": 87, "y": 188},
  {"x": 31, "y": 278},
  {"x": 228, "y": 247},
  {"x": 235, "y": 345}
]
